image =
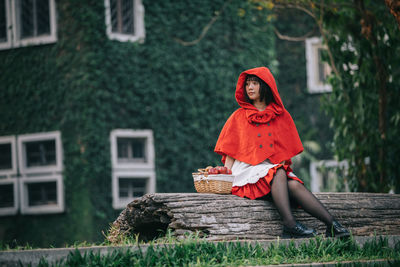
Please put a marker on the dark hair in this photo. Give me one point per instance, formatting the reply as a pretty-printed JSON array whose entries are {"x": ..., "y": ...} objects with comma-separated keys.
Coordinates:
[{"x": 265, "y": 90}]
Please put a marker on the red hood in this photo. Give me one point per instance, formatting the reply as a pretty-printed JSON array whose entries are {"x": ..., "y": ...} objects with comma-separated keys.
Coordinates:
[
  {"x": 264, "y": 74},
  {"x": 253, "y": 114}
]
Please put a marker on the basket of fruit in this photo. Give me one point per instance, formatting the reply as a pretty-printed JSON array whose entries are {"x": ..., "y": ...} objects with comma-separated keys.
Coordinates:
[{"x": 216, "y": 180}]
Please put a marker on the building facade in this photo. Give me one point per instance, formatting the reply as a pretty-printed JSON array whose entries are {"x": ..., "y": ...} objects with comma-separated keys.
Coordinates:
[{"x": 104, "y": 101}]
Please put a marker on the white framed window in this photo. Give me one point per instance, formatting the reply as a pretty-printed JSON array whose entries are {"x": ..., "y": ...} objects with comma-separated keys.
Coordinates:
[
  {"x": 8, "y": 156},
  {"x": 42, "y": 194},
  {"x": 125, "y": 20},
  {"x": 132, "y": 149},
  {"x": 40, "y": 153},
  {"x": 31, "y": 168},
  {"x": 128, "y": 185},
  {"x": 328, "y": 176},
  {"x": 27, "y": 22},
  {"x": 317, "y": 70},
  {"x": 8, "y": 176},
  {"x": 132, "y": 158},
  {"x": 5, "y": 24},
  {"x": 8, "y": 196}
]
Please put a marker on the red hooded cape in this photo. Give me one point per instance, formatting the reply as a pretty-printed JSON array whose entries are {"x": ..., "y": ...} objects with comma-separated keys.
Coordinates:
[{"x": 253, "y": 136}]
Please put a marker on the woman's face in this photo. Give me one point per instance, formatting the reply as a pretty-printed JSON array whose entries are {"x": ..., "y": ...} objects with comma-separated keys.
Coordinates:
[{"x": 253, "y": 90}]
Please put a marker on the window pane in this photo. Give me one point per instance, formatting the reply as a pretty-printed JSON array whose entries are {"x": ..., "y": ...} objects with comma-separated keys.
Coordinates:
[
  {"x": 43, "y": 17},
  {"x": 138, "y": 187},
  {"x": 42, "y": 193},
  {"x": 6, "y": 195},
  {"x": 138, "y": 148},
  {"x": 41, "y": 153},
  {"x": 131, "y": 149},
  {"x": 122, "y": 16},
  {"x": 123, "y": 188},
  {"x": 3, "y": 21},
  {"x": 123, "y": 147},
  {"x": 323, "y": 67},
  {"x": 5, "y": 157},
  {"x": 127, "y": 16},
  {"x": 26, "y": 18},
  {"x": 132, "y": 187},
  {"x": 34, "y": 18},
  {"x": 114, "y": 15}
]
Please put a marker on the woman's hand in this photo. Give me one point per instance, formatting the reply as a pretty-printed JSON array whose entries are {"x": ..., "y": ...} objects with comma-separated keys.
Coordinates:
[{"x": 229, "y": 162}]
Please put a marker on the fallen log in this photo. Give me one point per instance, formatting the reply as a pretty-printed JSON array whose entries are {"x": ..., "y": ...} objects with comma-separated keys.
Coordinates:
[{"x": 228, "y": 217}]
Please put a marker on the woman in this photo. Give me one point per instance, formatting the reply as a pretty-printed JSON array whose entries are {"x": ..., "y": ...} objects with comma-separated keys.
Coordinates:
[{"x": 257, "y": 143}]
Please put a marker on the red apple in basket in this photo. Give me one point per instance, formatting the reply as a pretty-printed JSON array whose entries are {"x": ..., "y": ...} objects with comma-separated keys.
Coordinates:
[
  {"x": 213, "y": 171},
  {"x": 219, "y": 169},
  {"x": 229, "y": 171},
  {"x": 222, "y": 170}
]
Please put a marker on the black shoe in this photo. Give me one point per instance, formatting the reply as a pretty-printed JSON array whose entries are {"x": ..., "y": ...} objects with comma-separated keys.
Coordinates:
[
  {"x": 336, "y": 230},
  {"x": 298, "y": 231}
]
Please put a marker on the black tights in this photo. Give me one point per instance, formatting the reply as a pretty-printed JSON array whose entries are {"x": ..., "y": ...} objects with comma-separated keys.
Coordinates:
[{"x": 282, "y": 190}]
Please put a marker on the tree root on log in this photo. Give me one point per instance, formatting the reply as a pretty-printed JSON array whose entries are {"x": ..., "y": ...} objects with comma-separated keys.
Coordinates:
[{"x": 228, "y": 217}]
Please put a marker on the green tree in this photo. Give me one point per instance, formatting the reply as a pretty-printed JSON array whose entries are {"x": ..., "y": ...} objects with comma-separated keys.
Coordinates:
[
  {"x": 364, "y": 42},
  {"x": 362, "y": 39}
]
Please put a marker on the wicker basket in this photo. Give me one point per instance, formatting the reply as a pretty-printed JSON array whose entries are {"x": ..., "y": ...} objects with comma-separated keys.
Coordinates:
[{"x": 213, "y": 183}]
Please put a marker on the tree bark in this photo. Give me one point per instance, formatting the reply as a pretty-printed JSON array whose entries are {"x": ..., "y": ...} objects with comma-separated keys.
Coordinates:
[
  {"x": 228, "y": 217},
  {"x": 394, "y": 8}
]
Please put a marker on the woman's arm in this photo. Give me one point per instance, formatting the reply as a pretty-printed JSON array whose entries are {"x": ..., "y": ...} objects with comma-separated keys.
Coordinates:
[{"x": 229, "y": 162}]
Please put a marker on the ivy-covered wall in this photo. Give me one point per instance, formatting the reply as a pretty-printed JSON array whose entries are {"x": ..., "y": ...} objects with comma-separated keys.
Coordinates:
[{"x": 86, "y": 85}]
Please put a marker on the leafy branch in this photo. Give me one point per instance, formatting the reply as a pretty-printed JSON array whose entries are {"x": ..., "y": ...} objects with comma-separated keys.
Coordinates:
[{"x": 205, "y": 29}]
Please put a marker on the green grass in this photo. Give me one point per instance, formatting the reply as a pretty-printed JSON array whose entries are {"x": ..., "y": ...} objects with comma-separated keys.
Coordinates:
[
  {"x": 14, "y": 246},
  {"x": 197, "y": 252}
]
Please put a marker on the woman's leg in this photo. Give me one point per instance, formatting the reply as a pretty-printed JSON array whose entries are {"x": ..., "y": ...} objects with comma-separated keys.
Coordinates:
[
  {"x": 280, "y": 196},
  {"x": 312, "y": 205},
  {"x": 309, "y": 202}
]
